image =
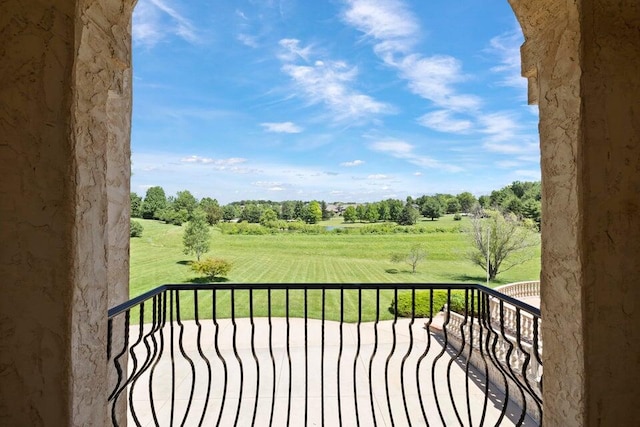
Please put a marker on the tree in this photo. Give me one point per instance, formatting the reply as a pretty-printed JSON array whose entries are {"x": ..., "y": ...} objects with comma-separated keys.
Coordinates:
[
  {"x": 409, "y": 215},
  {"x": 415, "y": 255},
  {"x": 466, "y": 200},
  {"x": 431, "y": 208},
  {"x": 453, "y": 206},
  {"x": 372, "y": 214},
  {"x": 135, "y": 229},
  {"x": 503, "y": 238},
  {"x": 185, "y": 200},
  {"x": 287, "y": 210},
  {"x": 325, "y": 213},
  {"x": 251, "y": 213},
  {"x": 196, "y": 236},
  {"x": 211, "y": 268},
  {"x": 154, "y": 201},
  {"x": 229, "y": 212},
  {"x": 136, "y": 205},
  {"x": 268, "y": 216},
  {"x": 212, "y": 209},
  {"x": 349, "y": 214},
  {"x": 312, "y": 213},
  {"x": 361, "y": 212}
]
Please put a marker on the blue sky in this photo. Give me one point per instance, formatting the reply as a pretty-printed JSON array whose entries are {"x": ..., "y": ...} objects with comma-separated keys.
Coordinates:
[{"x": 339, "y": 100}]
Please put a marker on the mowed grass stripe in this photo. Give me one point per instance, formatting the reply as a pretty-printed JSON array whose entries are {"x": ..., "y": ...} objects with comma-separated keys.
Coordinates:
[{"x": 157, "y": 258}]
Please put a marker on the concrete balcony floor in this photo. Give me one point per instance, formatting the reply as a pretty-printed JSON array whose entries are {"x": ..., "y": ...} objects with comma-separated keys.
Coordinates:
[{"x": 311, "y": 384}]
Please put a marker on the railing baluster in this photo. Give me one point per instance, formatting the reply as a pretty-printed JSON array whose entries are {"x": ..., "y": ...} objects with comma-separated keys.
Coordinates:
[
  {"x": 355, "y": 359},
  {"x": 214, "y": 308},
  {"x": 273, "y": 360},
  {"x": 206, "y": 360},
  {"x": 406, "y": 356},
  {"x": 427, "y": 347},
  {"x": 386, "y": 365},
  {"x": 255, "y": 357},
  {"x": 235, "y": 352},
  {"x": 288, "y": 356},
  {"x": 496, "y": 335},
  {"x": 339, "y": 376},
  {"x": 187, "y": 358},
  {"x": 373, "y": 355}
]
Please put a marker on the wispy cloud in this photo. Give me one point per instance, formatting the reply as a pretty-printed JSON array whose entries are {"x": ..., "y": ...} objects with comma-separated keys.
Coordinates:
[
  {"x": 387, "y": 21},
  {"x": 248, "y": 40},
  {"x": 352, "y": 163},
  {"x": 444, "y": 121},
  {"x": 281, "y": 127},
  {"x": 211, "y": 161},
  {"x": 378, "y": 176},
  {"x": 506, "y": 47},
  {"x": 406, "y": 151},
  {"x": 155, "y": 19},
  {"x": 330, "y": 83}
]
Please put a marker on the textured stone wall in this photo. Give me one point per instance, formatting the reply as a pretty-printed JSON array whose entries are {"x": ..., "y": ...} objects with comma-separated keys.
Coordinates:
[
  {"x": 64, "y": 129},
  {"x": 582, "y": 61},
  {"x": 610, "y": 156}
]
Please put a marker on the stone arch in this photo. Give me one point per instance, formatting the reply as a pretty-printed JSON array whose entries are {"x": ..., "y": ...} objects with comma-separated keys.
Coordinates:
[{"x": 64, "y": 216}]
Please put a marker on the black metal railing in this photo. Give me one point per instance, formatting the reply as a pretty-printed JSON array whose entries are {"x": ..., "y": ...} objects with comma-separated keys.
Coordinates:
[{"x": 325, "y": 354}]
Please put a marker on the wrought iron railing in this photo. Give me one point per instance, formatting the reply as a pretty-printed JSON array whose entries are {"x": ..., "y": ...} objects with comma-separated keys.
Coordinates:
[{"x": 324, "y": 354}]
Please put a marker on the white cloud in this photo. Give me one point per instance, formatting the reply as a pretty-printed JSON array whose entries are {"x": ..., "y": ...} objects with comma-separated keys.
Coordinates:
[
  {"x": 500, "y": 126},
  {"x": 432, "y": 78},
  {"x": 417, "y": 174},
  {"x": 405, "y": 151},
  {"x": 248, "y": 40},
  {"x": 154, "y": 19},
  {"x": 292, "y": 50},
  {"x": 329, "y": 83},
  {"x": 443, "y": 121},
  {"x": 507, "y": 48},
  {"x": 378, "y": 176},
  {"x": 352, "y": 163},
  {"x": 281, "y": 127},
  {"x": 388, "y": 21},
  {"x": 211, "y": 161}
]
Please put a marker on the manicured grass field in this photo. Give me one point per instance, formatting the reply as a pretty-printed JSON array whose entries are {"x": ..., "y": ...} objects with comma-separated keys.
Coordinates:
[{"x": 157, "y": 258}]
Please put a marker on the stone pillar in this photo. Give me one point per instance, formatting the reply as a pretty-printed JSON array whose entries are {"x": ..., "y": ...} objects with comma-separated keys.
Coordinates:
[
  {"x": 582, "y": 59},
  {"x": 64, "y": 157}
]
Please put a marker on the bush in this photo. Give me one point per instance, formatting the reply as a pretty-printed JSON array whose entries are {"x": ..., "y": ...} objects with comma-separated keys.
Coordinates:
[
  {"x": 457, "y": 217},
  {"x": 423, "y": 301},
  {"x": 136, "y": 229},
  {"x": 212, "y": 267}
]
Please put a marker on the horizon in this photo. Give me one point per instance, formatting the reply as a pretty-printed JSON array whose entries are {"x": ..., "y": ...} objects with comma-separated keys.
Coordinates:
[{"x": 355, "y": 100}]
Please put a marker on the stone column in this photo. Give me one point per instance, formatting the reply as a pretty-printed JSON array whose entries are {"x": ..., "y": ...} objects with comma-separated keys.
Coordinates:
[
  {"x": 582, "y": 59},
  {"x": 64, "y": 157}
]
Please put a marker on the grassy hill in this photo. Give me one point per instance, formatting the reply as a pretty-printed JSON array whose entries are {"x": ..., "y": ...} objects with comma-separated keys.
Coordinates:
[{"x": 157, "y": 258}]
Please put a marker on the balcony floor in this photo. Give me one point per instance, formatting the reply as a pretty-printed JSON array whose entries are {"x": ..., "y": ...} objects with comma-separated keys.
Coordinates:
[{"x": 311, "y": 386}]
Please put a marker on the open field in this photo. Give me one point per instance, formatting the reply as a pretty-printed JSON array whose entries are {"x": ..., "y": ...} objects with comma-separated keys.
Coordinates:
[{"x": 157, "y": 258}]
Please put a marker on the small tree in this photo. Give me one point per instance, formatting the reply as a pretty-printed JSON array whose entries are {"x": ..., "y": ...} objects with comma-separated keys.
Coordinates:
[
  {"x": 413, "y": 258},
  {"x": 503, "y": 239},
  {"x": 349, "y": 214},
  {"x": 312, "y": 213},
  {"x": 196, "y": 235},
  {"x": 212, "y": 267},
  {"x": 431, "y": 208},
  {"x": 408, "y": 215},
  {"x": 136, "y": 229}
]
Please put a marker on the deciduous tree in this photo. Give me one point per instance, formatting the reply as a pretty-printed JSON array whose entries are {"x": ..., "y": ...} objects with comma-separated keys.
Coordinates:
[
  {"x": 196, "y": 238},
  {"x": 499, "y": 242}
]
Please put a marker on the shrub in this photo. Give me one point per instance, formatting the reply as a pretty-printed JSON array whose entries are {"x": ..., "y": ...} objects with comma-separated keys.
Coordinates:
[
  {"x": 423, "y": 301},
  {"x": 136, "y": 229},
  {"x": 457, "y": 217},
  {"x": 211, "y": 267}
]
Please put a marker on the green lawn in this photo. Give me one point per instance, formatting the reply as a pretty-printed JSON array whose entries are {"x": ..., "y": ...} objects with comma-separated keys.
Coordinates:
[{"x": 157, "y": 258}]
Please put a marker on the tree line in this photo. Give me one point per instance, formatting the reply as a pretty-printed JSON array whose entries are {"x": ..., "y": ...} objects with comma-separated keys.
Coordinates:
[{"x": 521, "y": 199}]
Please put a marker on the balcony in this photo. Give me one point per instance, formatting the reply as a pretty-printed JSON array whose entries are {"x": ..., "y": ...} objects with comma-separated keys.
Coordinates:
[{"x": 324, "y": 354}]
